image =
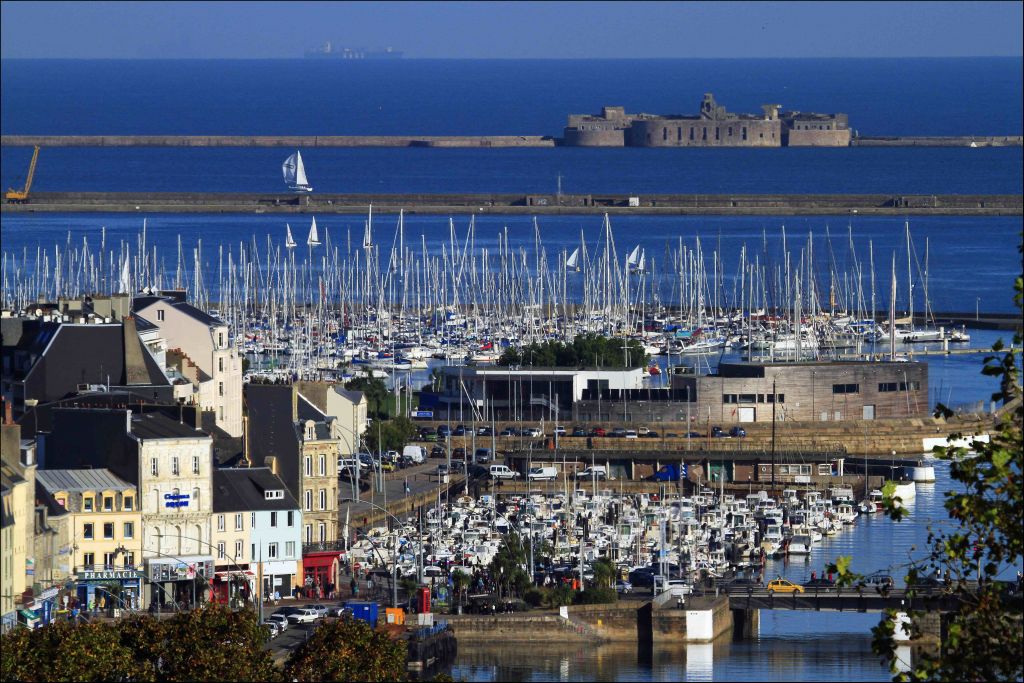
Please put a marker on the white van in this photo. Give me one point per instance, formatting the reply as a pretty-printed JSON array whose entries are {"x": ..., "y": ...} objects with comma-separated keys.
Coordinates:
[
  {"x": 542, "y": 474},
  {"x": 598, "y": 471},
  {"x": 502, "y": 472},
  {"x": 415, "y": 454}
]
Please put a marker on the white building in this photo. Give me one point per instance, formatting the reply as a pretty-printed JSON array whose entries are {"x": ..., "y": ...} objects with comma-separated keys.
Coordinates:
[
  {"x": 199, "y": 349},
  {"x": 175, "y": 492},
  {"x": 350, "y": 410}
]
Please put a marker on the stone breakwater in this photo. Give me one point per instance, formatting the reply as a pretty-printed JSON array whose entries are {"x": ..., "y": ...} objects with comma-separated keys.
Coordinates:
[
  {"x": 660, "y": 204},
  {"x": 299, "y": 141}
]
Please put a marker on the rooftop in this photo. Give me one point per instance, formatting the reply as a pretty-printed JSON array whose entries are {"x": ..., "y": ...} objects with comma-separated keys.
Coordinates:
[
  {"x": 82, "y": 480},
  {"x": 157, "y": 426},
  {"x": 243, "y": 489}
]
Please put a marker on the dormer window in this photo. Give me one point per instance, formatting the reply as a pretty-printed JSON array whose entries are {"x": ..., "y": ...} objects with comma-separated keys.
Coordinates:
[{"x": 273, "y": 494}]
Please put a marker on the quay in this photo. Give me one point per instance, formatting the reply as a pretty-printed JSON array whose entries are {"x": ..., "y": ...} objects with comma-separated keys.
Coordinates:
[{"x": 524, "y": 204}]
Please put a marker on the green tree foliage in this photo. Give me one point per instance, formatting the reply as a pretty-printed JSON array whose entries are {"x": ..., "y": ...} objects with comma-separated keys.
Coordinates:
[
  {"x": 380, "y": 402},
  {"x": 586, "y": 350},
  {"x": 984, "y": 640},
  {"x": 595, "y": 596},
  {"x": 390, "y": 435},
  {"x": 604, "y": 573},
  {"x": 507, "y": 565},
  {"x": 212, "y": 644},
  {"x": 347, "y": 650}
]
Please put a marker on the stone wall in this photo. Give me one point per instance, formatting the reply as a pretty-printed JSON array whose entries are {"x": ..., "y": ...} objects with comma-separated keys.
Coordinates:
[
  {"x": 818, "y": 138},
  {"x": 658, "y": 132}
]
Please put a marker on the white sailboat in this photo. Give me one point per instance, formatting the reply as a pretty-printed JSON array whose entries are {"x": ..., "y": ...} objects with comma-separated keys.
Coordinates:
[
  {"x": 289, "y": 241},
  {"x": 295, "y": 173},
  {"x": 573, "y": 262},
  {"x": 314, "y": 237}
]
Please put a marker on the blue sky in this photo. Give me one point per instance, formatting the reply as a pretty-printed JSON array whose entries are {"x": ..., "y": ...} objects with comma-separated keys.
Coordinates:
[{"x": 512, "y": 30}]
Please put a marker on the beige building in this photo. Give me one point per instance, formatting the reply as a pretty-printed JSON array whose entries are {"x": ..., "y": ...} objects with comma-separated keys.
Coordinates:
[
  {"x": 105, "y": 527},
  {"x": 350, "y": 410},
  {"x": 17, "y": 491},
  {"x": 199, "y": 350}
]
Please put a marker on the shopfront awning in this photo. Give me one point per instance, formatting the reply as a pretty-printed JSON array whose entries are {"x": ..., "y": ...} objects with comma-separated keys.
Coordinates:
[
  {"x": 224, "y": 576},
  {"x": 323, "y": 559},
  {"x": 28, "y": 614}
]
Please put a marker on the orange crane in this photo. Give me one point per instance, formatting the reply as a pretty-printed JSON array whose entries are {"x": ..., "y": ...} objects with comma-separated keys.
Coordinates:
[{"x": 20, "y": 196}]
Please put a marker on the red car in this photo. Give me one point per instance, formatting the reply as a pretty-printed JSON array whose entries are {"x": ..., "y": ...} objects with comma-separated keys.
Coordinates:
[{"x": 597, "y": 431}]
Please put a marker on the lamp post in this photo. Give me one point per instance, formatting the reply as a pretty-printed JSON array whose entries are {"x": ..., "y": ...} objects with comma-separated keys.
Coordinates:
[{"x": 394, "y": 565}]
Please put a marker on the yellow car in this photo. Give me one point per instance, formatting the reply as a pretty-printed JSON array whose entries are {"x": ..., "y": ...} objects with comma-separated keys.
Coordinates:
[{"x": 780, "y": 585}]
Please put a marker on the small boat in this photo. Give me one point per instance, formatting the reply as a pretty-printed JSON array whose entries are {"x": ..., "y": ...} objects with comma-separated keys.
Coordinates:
[
  {"x": 799, "y": 544},
  {"x": 295, "y": 173}
]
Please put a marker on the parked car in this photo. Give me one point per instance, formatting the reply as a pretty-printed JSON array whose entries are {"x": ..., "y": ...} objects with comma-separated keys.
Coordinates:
[
  {"x": 281, "y": 620},
  {"x": 442, "y": 469},
  {"x": 339, "y": 611},
  {"x": 737, "y": 432},
  {"x": 579, "y": 431},
  {"x": 502, "y": 472},
  {"x": 717, "y": 432},
  {"x": 427, "y": 434},
  {"x": 459, "y": 453},
  {"x": 598, "y": 471},
  {"x": 781, "y": 585},
  {"x": 670, "y": 472},
  {"x": 622, "y": 586},
  {"x": 460, "y": 430},
  {"x": 534, "y": 432},
  {"x": 630, "y": 434},
  {"x": 321, "y": 610},
  {"x": 542, "y": 474},
  {"x": 620, "y": 432},
  {"x": 438, "y": 452},
  {"x": 303, "y": 615},
  {"x": 483, "y": 456},
  {"x": 598, "y": 431},
  {"x": 694, "y": 435},
  {"x": 878, "y": 580},
  {"x": 559, "y": 431},
  {"x": 509, "y": 431},
  {"x": 275, "y": 628},
  {"x": 458, "y": 467},
  {"x": 418, "y": 454},
  {"x": 444, "y": 431},
  {"x": 485, "y": 431},
  {"x": 746, "y": 582},
  {"x": 651, "y": 434}
]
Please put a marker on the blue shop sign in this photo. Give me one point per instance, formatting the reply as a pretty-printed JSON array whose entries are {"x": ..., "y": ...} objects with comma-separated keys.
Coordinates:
[{"x": 176, "y": 500}]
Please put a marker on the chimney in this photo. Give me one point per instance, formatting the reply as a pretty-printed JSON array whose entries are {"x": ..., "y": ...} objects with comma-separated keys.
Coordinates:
[
  {"x": 245, "y": 440},
  {"x": 270, "y": 462},
  {"x": 8, "y": 415},
  {"x": 295, "y": 403}
]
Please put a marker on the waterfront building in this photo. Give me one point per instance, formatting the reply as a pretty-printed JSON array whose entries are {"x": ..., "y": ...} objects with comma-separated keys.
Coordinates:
[
  {"x": 349, "y": 410},
  {"x": 256, "y": 531},
  {"x": 199, "y": 350},
  {"x": 295, "y": 439},
  {"x": 713, "y": 126},
  {"x": 505, "y": 393},
  {"x": 46, "y": 358},
  {"x": 17, "y": 494},
  {"x": 105, "y": 542}
]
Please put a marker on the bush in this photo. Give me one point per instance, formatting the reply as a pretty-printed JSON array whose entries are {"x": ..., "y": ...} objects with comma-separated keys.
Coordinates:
[
  {"x": 534, "y": 597},
  {"x": 596, "y": 596}
]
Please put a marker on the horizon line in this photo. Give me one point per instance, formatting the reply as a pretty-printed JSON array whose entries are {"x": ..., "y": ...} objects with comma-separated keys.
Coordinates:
[{"x": 568, "y": 59}]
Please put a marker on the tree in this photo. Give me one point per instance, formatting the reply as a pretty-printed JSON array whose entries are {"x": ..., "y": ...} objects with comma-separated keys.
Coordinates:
[
  {"x": 983, "y": 640},
  {"x": 347, "y": 650},
  {"x": 507, "y": 565},
  {"x": 65, "y": 651},
  {"x": 586, "y": 350},
  {"x": 390, "y": 435},
  {"x": 378, "y": 397},
  {"x": 604, "y": 573}
]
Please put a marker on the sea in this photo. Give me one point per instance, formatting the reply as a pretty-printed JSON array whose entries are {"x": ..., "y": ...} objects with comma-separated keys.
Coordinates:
[{"x": 967, "y": 263}]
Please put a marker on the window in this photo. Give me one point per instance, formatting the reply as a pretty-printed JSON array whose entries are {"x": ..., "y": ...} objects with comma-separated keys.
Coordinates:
[
  {"x": 238, "y": 521},
  {"x": 129, "y": 529},
  {"x": 322, "y": 469},
  {"x": 220, "y": 340},
  {"x": 309, "y": 499},
  {"x": 129, "y": 560},
  {"x": 108, "y": 560},
  {"x": 108, "y": 530},
  {"x": 691, "y": 133},
  {"x": 730, "y": 131},
  {"x": 717, "y": 133},
  {"x": 309, "y": 465},
  {"x": 323, "y": 532},
  {"x": 323, "y": 499},
  {"x": 744, "y": 131},
  {"x": 272, "y": 550},
  {"x": 729, "y": 398},
  {"x": 238, "y": 551},
  {"x": 309, "y": 533},
  {"x": 220, "y": 522},
  {"x": 220, "y": 388},
  {"x": 87, "y": 533},
  {"x": 88, "y": 559},
  {"x": 253, "y": 548},
  {"x": 289, "y": 549},
  {"x": 108, "y": 503},
  {"x": 129, "y": 503},
  {"x": 195, "y": 464},
  {"x": 220, "y": 550},
  {"x": 174, "y": 465},
  {"x": 160, "y": 315},
  {"x": 845, "y": 388},
  {"x": 220, "y": 364},
  {"x": 824, "y": 468},
  {"x": 154, "y": 467},
  {"x": 704, "y": 133},
  {"x": 748, "y": 398},
  {"x": 664, "y": 133},
  {"x": 195, "y": 498},
  {"x": 252, "y": 520},
  {"x": 87, "y": 503},
  {"x": 679, "y": 133},
  {"x": 273, "y": 494},
  {"x": 273, "y": 518},
  {"x": 899, "y": 386},
  {"x": 291, "y": 518}
]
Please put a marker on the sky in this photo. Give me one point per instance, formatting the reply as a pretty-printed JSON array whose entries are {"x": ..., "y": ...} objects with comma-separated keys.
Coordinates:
[{"x": 482, "y": 30}]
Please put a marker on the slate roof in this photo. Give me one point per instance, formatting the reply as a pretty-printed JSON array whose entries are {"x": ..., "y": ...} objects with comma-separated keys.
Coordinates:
[
  {"x": 350, "y": 395},
  {"x": 242, "y": 490},
  {"x": 158, "y": 426},
  {"x": 271, "y": 430},
  {"x": 142, "y": 302},
  {"x": 82, "y": 480}
]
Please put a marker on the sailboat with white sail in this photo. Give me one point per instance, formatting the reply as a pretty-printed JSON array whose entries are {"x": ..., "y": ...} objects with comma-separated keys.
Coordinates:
[{"x": 295, "y": 173}]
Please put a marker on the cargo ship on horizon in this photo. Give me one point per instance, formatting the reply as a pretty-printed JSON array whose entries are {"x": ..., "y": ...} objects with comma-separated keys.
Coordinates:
[{"x": 329, "y": 50}]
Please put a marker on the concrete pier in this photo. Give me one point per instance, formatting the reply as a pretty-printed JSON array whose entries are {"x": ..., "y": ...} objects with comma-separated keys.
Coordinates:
[{"x": 505, "y": 203}]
